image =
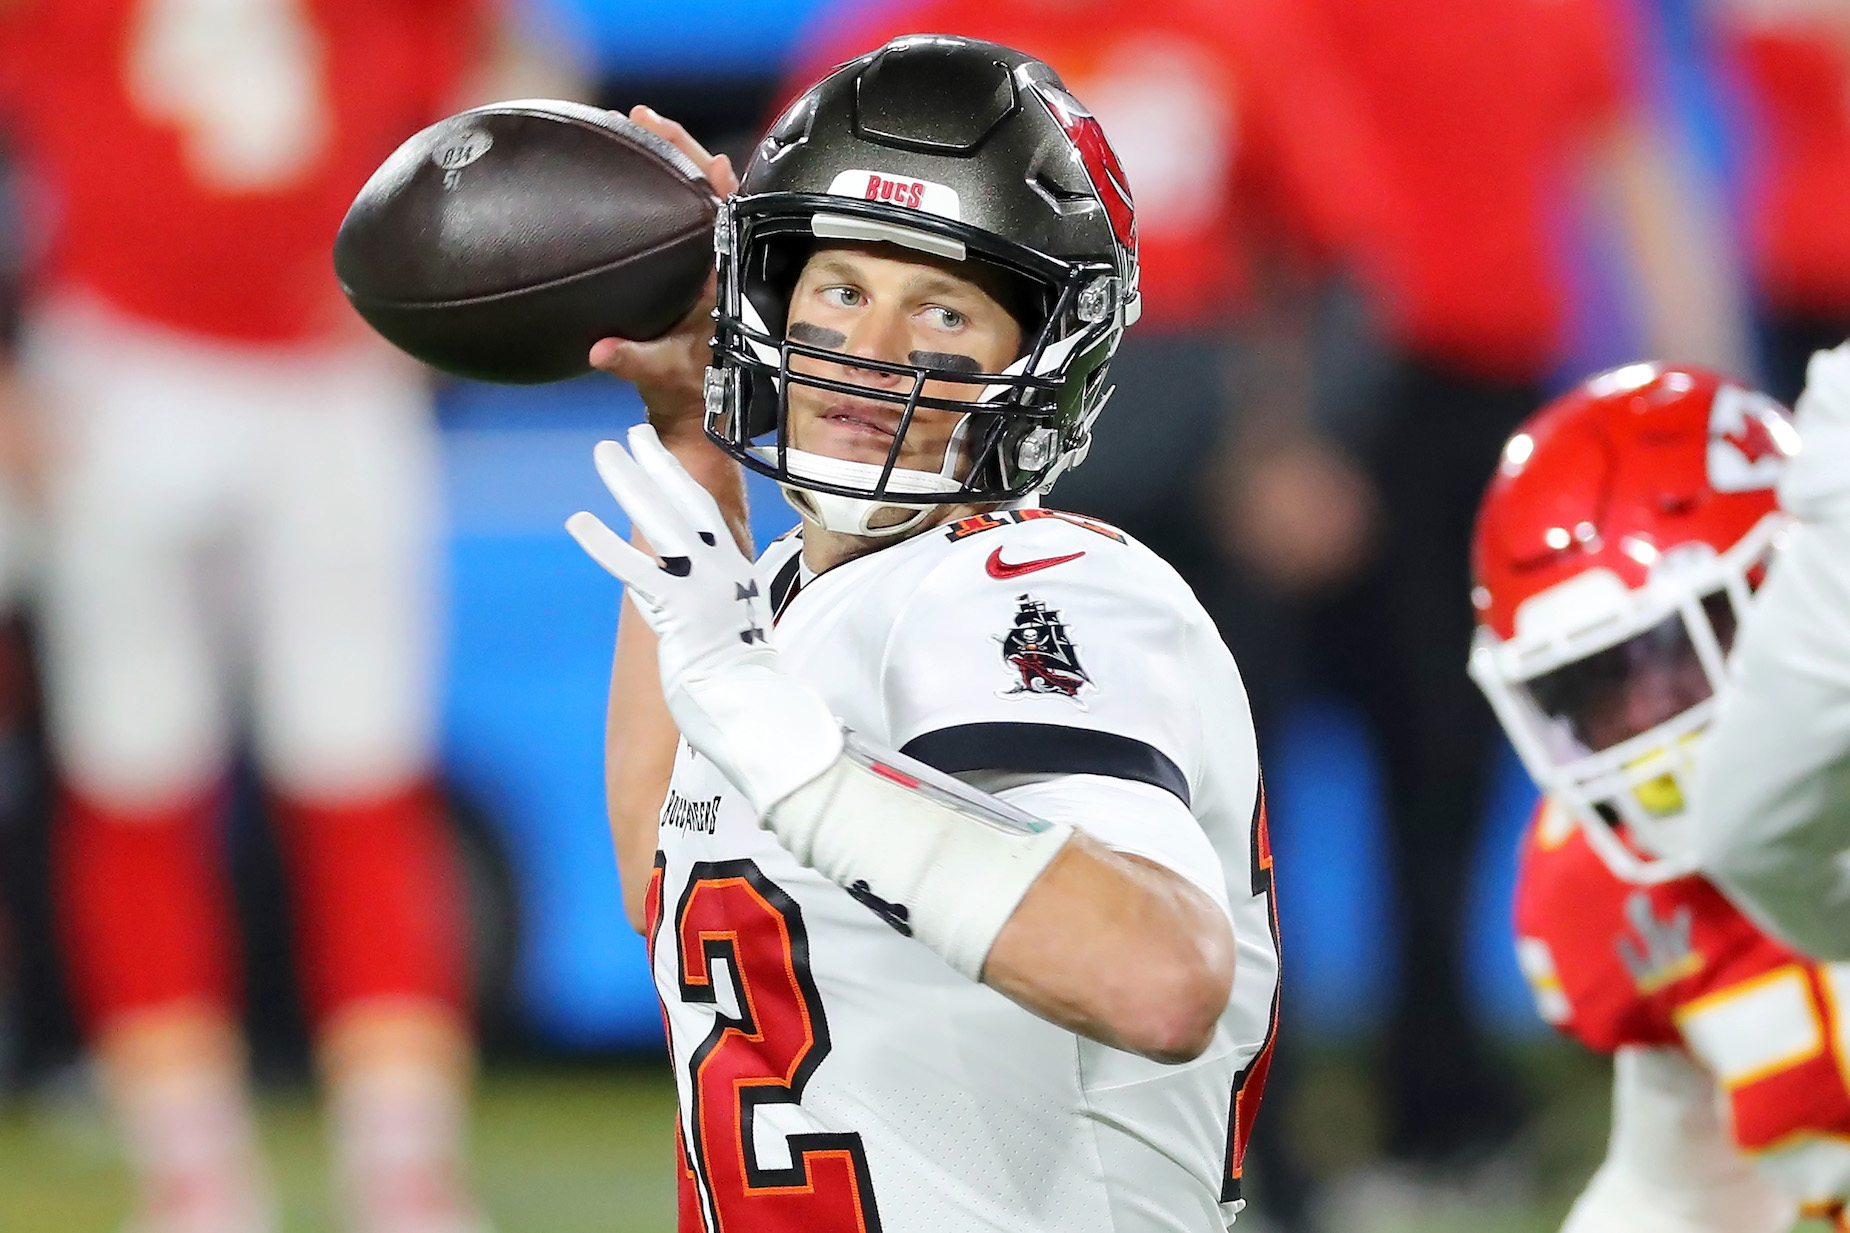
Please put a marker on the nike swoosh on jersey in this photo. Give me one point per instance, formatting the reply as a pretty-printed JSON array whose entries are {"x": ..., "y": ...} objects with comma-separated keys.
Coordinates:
[{"x": 998, "y": 568}]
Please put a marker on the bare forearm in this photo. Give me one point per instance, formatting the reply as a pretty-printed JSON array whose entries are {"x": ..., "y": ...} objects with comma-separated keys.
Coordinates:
[
  {"x": 1117, "y": 949},
  {"x": 639, "y": 749},
  {"x": 640, "y": 736}
]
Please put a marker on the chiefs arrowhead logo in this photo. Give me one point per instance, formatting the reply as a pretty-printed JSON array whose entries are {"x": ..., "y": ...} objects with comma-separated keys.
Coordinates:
[{"x": 1749, "y": 440}]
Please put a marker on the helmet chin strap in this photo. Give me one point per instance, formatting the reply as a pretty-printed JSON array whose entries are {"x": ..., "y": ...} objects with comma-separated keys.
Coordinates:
[
  {"x": 855, "y": 515},
  {"x": 851, "y": 515}
]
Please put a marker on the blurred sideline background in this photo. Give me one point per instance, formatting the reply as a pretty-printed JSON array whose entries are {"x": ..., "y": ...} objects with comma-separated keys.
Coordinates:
[{"x": 572, "y": 1123}]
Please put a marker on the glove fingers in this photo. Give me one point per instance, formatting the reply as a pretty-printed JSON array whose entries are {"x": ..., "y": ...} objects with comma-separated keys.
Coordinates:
[
  {"x": 652, "y": 510},
  {"x": 632, "y": 566},
  {"x": 695, "y": 503}
]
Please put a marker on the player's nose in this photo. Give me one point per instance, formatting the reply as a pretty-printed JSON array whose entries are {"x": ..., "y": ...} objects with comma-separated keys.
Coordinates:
[
  {"x": 1659, "y": 694},
  {"x": 882, "y": 334}
]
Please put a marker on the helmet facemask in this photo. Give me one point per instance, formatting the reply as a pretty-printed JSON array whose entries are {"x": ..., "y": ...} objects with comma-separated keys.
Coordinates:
[
  {"x": 1606, "y": 693},
  {"x": 1019, "y": 427}
]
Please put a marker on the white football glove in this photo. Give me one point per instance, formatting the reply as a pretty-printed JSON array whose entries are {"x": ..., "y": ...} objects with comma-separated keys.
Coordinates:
[
  {"x": 768, "y": 732},
  {"x": 1816, "y": 485}
]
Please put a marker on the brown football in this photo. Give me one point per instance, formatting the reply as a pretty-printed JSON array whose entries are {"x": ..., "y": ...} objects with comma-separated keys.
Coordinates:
[{"x": 502, "y": 242}]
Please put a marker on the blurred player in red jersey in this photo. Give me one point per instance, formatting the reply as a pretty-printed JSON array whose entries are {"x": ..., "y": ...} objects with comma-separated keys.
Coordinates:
[
  {"x": 239, "y": 491},
  {"x": 1621, "y": 542},
  {"x": 1495, "y": 117}
]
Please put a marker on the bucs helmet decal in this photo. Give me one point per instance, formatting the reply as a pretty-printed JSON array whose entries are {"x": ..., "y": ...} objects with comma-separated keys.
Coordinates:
[{"x": 1101, "y": 161}]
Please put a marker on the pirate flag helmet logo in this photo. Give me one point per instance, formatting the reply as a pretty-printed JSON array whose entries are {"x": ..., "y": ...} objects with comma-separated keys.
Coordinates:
[{"x": 1042, "y": 654}]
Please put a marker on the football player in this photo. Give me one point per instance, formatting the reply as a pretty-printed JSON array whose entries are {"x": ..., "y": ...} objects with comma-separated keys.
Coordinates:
[
  {"x": 965, "y": 832},
  {"x": 1622, "y": 539}
]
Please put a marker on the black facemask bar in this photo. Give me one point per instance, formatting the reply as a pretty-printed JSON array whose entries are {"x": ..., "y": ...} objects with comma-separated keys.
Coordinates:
[{"x": 745, "y": 384}]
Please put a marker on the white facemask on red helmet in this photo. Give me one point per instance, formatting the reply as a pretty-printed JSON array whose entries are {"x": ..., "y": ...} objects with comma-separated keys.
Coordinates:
[{"x": 1627, "y": 526}]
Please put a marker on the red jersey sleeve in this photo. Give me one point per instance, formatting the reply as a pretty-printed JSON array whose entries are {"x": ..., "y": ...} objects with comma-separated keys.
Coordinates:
[
  {"x": 1592, "y": 978},
  {"x": 1613, "y": 963}
]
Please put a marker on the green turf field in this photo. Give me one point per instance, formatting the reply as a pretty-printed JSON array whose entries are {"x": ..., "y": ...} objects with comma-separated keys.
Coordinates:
[
  {"x": 580, "y": 1150},
  {"x": 557, "y": 1151}
]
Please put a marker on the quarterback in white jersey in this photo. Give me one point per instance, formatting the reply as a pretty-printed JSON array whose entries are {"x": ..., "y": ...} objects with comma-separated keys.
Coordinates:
[
  {"x": 1079, "y": 661},
  {"x": 960, "y": 894}
]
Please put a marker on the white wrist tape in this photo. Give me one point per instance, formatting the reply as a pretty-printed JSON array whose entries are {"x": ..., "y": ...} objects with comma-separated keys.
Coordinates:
[
  {"x": 937, "y": 860},
  {"x": 768, "y": 732}
]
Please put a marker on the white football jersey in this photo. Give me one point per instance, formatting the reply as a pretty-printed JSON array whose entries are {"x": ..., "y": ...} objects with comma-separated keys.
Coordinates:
[{"x": 835, "y": 1076}]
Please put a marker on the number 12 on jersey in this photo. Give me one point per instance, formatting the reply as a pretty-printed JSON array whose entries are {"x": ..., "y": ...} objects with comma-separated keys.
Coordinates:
[{"x": 742, "y": 947}]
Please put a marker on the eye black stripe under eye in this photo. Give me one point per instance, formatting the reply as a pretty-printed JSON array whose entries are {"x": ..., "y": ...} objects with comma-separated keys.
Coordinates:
[
  {"x": 815, "y": 335},
  {"x": 950, "y": 361}
]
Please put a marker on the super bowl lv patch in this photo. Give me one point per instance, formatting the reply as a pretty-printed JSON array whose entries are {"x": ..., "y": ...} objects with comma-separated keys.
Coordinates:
[{"x": 1041, "y": 653}]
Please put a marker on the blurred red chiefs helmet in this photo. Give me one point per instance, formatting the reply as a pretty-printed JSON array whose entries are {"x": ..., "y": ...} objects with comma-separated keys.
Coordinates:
[{"x": 1626, "y": 528}]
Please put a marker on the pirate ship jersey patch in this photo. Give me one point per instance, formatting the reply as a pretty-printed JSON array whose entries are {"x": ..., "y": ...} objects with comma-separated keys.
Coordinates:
[{"x": 1042, "y": 655}]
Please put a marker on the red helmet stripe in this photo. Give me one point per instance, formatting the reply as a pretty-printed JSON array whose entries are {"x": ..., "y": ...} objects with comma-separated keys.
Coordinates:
[{"x": 1101, "y": 162}]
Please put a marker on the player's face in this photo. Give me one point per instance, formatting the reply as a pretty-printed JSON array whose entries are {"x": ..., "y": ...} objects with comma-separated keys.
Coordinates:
[
  {"x": 871, "y": 301},
  {"x": 1634, "y": 686}
]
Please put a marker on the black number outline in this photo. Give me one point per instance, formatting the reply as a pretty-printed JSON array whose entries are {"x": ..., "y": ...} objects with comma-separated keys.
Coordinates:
[
  {"x": 797, "y": 1176},
  {"x": 1263, "y": 882}
]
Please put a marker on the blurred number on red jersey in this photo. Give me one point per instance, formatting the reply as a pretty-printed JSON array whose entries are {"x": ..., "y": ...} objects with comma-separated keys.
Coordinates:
[{"x": 241, "y": 80}]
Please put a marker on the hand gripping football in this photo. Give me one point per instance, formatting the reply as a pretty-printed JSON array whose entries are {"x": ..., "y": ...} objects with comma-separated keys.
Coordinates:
[{"x": 502, "y": 242}]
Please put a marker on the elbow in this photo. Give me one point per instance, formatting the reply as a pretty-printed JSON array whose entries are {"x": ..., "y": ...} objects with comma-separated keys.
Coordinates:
[{"x": 1175, "y": 1017}]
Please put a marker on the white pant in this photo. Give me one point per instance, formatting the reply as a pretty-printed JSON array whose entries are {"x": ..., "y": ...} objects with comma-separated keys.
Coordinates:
[{"x": 229, "y": 520}]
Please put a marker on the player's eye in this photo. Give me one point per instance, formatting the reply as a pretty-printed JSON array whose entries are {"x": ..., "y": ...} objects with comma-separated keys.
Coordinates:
[
  {"x": 945, "y": 318},
  {"x": 843, "y": 296}
]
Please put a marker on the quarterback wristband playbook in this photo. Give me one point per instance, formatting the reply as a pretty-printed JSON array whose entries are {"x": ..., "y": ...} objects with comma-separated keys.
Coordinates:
[{"x": 941, "y": 862}]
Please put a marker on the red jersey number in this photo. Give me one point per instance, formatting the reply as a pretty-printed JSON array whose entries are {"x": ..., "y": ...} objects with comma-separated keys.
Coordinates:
[{"x": 769, "y": 1034}]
